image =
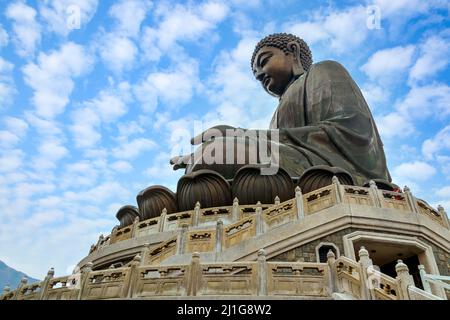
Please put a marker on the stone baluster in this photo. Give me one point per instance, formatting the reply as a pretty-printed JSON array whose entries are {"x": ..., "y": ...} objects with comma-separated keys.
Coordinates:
[
  {"x": 338, "y": 189},
  {"x": 84, "y": 279},
  {"x": 162, "y": 220},
  {"x": 23, "y": 283},
  {"x": 260, "y": 222},
  {"x": 193, "y": 275},
  {"x": 219, "y": 237},
  {"x": 262, "y": 273},
  {"x": 181, "y": 240},
  {"x": 235, "y": 211},
  {"x": 412, "y": 202},
  {"x": 404, "y": 279},
  {"x": 134, "y": 227},
  {"x": 99, "y": 242},
  {"x": 444, "y": 216},
  {"x": 299, "y": 203},
  {"x": 425, "y": 283},
  {"x": 277, "y": 200},
  {"x": 365, "y": 263},
  {"x": 45, "y": 284},
  {"x": 145, "y": 252},
  {"x": 376, "y": 196},
  {"x": 133, "y": 277},
  {"x": 333, "y": 279},
  {"x": 197, "y": 214}
]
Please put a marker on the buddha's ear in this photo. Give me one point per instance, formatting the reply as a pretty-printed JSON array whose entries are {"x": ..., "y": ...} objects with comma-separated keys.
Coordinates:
[{"x": 294, "y": 48}]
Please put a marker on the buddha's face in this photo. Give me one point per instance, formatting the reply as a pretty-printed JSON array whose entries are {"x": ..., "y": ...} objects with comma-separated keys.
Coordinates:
[{"x": 274, "y": 69}]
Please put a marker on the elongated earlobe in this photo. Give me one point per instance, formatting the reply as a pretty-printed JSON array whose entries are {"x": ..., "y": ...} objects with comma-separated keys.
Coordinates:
[{"x": 297, "y": 68}]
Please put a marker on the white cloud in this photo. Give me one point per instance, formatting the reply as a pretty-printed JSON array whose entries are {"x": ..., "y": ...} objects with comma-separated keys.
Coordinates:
[
  {"x": 375, "y": 95},
  {"x": 434, "y": 57},
  {"x": 15, "y": 130},
  {"x": 440, "y": 142},
  {"x": 444, "y": 192},
  {"x": 131, "y": 149},
  {"x": 384, "y": 64},
  {"x": 52, "y": 77},
  {"x": 11, "y": 160},
  {"x": 50, "y": 152},
  {"x": 417, "y": 171},
  {"x": 60, "y": 14},
  {"x": 174, "y": 87},
  {"x": 130, "y": 14},
  {"x": 4, "y": 37},
  {"x": 118, "y": 52},
  {"x": 26, "y": 30},
  {"x": 84, "y": 127},
  {"x": 180, "y": 23},
  {"x": 105, "y": 191},
  {"x": 426, "y": 101},
  {"x": 341, "y": 30},
  {"x": 7, "y": 88},
  {"x": 394, "y": 124},
  {"x": 121, "y": 166},
  {"x": 80, "y": 174}
]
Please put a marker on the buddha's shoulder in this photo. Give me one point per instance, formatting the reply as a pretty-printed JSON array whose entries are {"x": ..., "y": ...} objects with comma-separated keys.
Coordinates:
[{"x": 328, "y": 69}]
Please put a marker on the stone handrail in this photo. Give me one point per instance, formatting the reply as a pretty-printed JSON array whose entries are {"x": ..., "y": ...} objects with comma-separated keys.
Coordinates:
[{"x": 268, "y": 216}]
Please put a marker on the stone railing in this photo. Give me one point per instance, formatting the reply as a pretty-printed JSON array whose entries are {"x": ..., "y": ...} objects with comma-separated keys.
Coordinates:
[
  {"x": 259, "y": 218},
  {"x": 332, "y": 279}
]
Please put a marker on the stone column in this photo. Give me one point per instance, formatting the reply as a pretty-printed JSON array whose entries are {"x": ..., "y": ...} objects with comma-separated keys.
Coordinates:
[
  {"x": 133, "y": 278},
  {"x": 338, "y": 189},
  {"x": 299, "y": 203},
  {"x": 84, "y": 279},
  {"x": 277, "y": 200},
  {"x": 193, "y": 275},
  {"x": 262, "y": 273},
  {"x": 196, "y": 214},
  {"x": 23, "y": 283},
  {"x": 45, "y": 284},
  {"x": 162, "y": 219},
  {"x": 444, "y": 216},
  {"x": 260, "y": 222},
  {"x": 134, "y": 227},
  {"x": 411, "y": 200},
  {"x": 404, "y": 279},
  {"x": 219, "y": 237},
  {"x": 235, "y": 211},
  {"x": 375, "y": 194},
  {"x": 365, "y": 262},
  {"x": 181, "y": 240},
  {"x": 332, "y": 279},
  {"x": 426, "y": 284}
]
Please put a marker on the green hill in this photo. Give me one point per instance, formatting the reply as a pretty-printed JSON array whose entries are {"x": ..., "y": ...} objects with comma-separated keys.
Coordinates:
[{"x": 11, "y": 277}]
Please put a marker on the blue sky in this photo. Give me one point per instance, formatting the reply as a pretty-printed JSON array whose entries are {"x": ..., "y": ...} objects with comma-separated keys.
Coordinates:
[{"x": 92, "y": 106}]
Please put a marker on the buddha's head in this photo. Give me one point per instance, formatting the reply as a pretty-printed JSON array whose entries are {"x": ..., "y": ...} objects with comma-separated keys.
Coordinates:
[{"x": 278, "y": 59}]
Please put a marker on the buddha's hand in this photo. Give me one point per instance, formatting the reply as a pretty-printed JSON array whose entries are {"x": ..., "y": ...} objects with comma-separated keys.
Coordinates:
[
  {"x": 180, "y": 162},
  {"x": 211, "y": 133}
]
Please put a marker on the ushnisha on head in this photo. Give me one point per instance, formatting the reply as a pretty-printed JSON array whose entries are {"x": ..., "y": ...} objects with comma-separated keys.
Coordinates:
[{"x": 278, "y": 59}]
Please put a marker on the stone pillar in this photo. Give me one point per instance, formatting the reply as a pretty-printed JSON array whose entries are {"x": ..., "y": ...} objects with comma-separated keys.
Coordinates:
[
  {"x": 100, "y": 239},
  {"x": 235, "y": 211},
  {"x": 196, "y": 214},
  {"x": 145, "y": 252},
  {"x": 444, "y": 216},
  {"x": 181, "y": 240},
  {"x": 23, "y": 283},
  {"x": 332, "y": 278},
  {"x": 404, "y": 279},
  {"x": 133, "y": 277},
  {"x": 426, "y": 284},
  {"x": 45, "y": 284},
  {"x": 299, "y": 203},
  {"x": 262, "y": 273},
  {"x": 162, "y": 219},
  {"x": 260, "y": 222},
  {"x": 84, "y": 279},
  {"x": 365, "y": 262},
  {"x": 134, "y": 227},
  {"x": 277, "y": 200},
  {"x": 375, "y": 194},
  {"x": 219, "y": 237},
  {"x": 193, "y": 275},
  {"x": 410, "y": 199},
  {"x": 338, "y": 189}
]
